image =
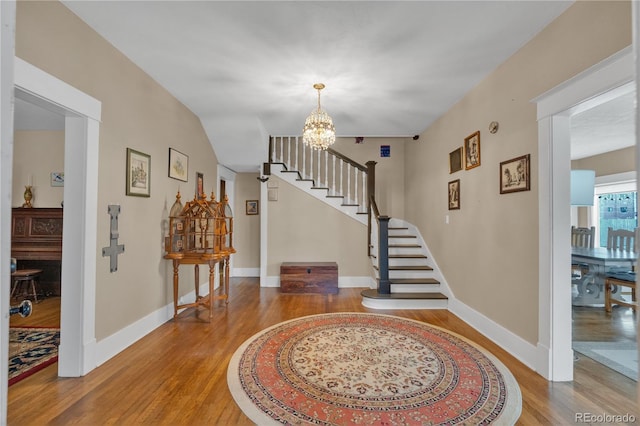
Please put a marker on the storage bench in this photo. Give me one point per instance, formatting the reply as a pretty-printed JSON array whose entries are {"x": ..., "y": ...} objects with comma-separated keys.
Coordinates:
[{"x": 309, "y": 277}]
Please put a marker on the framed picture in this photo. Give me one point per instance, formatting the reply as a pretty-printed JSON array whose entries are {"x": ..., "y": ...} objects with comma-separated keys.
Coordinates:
[
  {"x": 57, "y": 178},
  {"x": 138, "y": 173},
  {"x": 455, "y": 160},
  {"x": 454, "y": 194},
  {"x": 252, "y": 207},
  {"x": 178, "y": 165},
  {"x": 515, "y": 174},
  {"x": 199, "y": 184},
  {"x": 472, "y": 150},
  {"x": 272, "y": 194}
]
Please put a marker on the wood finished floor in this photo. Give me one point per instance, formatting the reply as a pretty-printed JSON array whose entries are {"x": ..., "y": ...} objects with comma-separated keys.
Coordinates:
[{"x": 177, "y": 374}]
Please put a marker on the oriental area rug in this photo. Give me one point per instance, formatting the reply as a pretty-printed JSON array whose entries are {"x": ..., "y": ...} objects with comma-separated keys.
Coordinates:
[
  {"x": 373, "y": 369},
  {"x": 31, "y": 350}
]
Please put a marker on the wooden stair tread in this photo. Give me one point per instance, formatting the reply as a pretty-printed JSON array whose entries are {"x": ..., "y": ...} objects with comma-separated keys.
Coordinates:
[
  {"x": 407, "y": 256},
  {"x": 414, "y": 281},
  {"x": 397, "y": 228},
  {"x": 373, "y": 294},
  {"x": 405, "y": 245},
  {"x": 409, "y": 268},
  {"x": 402, "y": 236}
]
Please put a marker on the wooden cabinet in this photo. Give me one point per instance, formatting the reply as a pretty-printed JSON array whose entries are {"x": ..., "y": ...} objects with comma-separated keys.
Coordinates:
[
  {"x": 36, "y": 242},
  {"x": 309, "y": 277}
]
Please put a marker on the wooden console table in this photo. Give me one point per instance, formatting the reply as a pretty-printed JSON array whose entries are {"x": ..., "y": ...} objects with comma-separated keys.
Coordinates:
[
  {"x": 197, "y": 260},
  {"x": 309, "y": 277}
]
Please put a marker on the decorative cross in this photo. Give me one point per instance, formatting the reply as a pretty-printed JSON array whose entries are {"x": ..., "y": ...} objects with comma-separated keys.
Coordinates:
[{"x": 114, "y": 248}]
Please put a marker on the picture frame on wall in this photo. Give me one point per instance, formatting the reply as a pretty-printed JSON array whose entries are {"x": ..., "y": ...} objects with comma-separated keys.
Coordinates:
[
  {"x": 454, "y": 194},
  {"x": 472, "y": 150},
  {"x": 199, "y": 184},
  {"x": 515, "y": 174},
  {"x": 57, "y": 178},
  {"x": 455, "y": 160},
  {"x": 178, "y": 165},
  {"x": 252, "y": 207},
  {"x": 138, "y": 173}
]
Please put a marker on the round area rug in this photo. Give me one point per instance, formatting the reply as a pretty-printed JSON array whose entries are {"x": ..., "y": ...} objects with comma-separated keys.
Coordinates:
[{"x": 365, "y": 369}]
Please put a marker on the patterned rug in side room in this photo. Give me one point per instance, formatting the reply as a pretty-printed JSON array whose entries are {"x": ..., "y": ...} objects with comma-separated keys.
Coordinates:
[
  {"x": 31, "y": 350},
  {"x": 359, "y": 368}
]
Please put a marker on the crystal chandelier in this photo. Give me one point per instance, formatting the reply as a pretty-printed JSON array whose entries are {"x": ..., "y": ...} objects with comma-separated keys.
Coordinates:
[{"x": 318, "y": 131}]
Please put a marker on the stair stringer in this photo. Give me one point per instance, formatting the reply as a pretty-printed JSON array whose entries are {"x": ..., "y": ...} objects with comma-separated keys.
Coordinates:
[{"x": 307, "y": 185}]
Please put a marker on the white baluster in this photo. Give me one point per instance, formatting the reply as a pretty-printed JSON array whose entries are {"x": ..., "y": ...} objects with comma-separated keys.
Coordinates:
[
  {"x": 355, "y": 185},
  {"x": 289, "y": 152},
  {"x": 326, "y": 169},
  {"x": 311, "y": 150},
  {"x": 318, "y": 181},
  {"x": 304, "y": 165},
  {"x": 333, "y": 166},
  {"x": 341, "y": 178},
  {"x": 348, "y": 183},
  {"x": 282, "y": 149},
  {"x": 364, "y": 192},
  {"x": 297, "y": 144}
]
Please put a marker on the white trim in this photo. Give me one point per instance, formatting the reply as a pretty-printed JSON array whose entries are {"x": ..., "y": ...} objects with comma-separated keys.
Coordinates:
[
  {"x": 265, "y": 280},
  {"x": 77, "y": 351},
  {"x": 524, "y": 351},
  {"x": 246, "y": 272},
  {"x": 616, "y": 178},
  {"x": 7, "y": 48},
  {"x": 599, "y": 83}
]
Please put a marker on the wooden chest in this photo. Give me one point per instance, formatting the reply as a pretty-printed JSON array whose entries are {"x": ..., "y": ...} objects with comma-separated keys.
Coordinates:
[{"x": 309, "y": 277}]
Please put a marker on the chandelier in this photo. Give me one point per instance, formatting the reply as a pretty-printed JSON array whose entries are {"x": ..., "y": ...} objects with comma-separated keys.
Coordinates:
[{"x": 318, "y": 131}]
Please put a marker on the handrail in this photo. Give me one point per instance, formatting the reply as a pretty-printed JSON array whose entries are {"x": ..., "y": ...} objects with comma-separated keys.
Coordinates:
[{"x": 347, "y": 159}]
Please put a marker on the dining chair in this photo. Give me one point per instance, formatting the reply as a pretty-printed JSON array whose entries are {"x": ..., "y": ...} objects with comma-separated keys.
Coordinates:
[
  {"x": 621, "y": 239},
  {"x": 619, "y": 278},
  {"x": 583, "y": 237}
]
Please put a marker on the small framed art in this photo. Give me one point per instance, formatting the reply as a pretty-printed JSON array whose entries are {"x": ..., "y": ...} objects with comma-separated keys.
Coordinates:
[
  {"x": 138, "y": 173},
  {"x": 199, "y": 184},
  {"x": 57, "y": 178},
  {"x": 454, "y": 194},
  {"x": 455, "y": 160},
  {"x": 472, "y": 150},
  {"x": 515, "y": 174},
  {"x": 178, "y": 165},
  {"x": 252, "y": 207}
]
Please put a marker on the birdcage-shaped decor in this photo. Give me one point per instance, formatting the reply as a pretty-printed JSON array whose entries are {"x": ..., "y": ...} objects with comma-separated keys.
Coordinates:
[{"x": 200, "y": 232}]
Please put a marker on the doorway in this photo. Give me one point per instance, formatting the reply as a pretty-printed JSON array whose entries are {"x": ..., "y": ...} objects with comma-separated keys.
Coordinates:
[{"x": 603, "y": 81}]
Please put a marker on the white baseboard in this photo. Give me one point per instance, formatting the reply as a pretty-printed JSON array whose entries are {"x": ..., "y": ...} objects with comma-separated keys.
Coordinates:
[
  {"x": 343, "y": 282},
  {"x": 524, "y": 351},
  {"x": 245, "y": 272},
  {"x": 111, "y": 346}
]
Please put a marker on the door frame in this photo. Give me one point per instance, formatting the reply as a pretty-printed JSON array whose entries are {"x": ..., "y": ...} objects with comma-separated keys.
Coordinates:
[{"x": 602, "y": 82}]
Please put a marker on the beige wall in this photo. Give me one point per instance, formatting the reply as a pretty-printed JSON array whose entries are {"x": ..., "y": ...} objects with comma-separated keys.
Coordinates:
[
  {"x": 136, "y": 113},
  {"x": 389, "y": 170},
  {"x": 246, "y": 228},
  {"x": 304, "y": 229},
  {"x": 36, "y": 154},
  {"x": 489, "y": 250},
  {"x": 619, "y": 161}
]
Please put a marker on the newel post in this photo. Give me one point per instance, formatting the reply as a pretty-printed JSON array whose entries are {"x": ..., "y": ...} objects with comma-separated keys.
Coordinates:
[
  {"x": 371, "y": 190},
  {"x": 384, "y": 286}
]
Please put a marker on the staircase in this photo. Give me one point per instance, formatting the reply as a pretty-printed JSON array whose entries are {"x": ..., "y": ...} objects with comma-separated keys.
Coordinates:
[{"x": 414, "y": 278}]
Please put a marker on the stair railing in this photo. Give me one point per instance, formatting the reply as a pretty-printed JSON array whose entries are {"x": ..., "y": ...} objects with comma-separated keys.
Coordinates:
[
  {"x": 342, "y": 177},
  {"x": 379, "y": 244},
  {"x": 329, "y": 169}
]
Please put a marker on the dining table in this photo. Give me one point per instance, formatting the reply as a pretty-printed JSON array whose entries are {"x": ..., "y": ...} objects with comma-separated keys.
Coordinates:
[{"x": 590, "y": 268}]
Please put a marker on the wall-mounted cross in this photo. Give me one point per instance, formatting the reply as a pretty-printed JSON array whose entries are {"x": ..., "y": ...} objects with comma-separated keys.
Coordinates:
[{"x": 114, "y": 248}]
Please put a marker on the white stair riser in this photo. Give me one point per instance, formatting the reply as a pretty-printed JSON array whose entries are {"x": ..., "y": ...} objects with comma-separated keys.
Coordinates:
[
  {"x": 405, "y": 250},
  {"x": 415, "y": 288},
  {"x": 411, "y": 274},
  {"x": 408, "y": 262},
  {"x": 405, "y": 304}
]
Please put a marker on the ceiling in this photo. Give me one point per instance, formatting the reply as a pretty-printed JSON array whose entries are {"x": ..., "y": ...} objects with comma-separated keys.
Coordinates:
[{"x": 247, "y": 68}]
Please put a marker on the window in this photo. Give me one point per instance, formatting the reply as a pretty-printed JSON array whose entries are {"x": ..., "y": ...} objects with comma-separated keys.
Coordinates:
[{"x": 616, "y": 206}]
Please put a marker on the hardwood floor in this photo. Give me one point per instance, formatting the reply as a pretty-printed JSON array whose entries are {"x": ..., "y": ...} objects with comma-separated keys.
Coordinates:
[{"x": 177, "y": 374}]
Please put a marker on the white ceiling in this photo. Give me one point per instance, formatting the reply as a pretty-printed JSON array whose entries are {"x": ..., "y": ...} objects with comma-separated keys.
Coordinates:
[{"x": 247, "y": 68}]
